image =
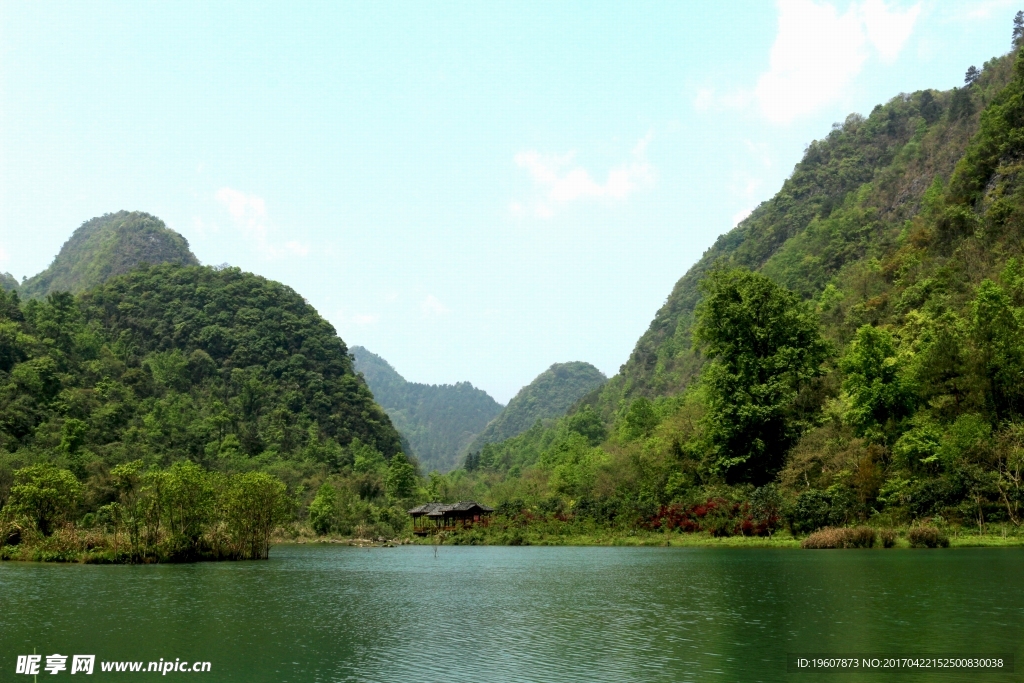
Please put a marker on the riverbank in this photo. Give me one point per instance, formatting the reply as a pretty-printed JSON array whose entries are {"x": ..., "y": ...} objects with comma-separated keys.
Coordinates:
[
  {"x": 61, "y": 552},
  {"x": 958, "y": 538}
]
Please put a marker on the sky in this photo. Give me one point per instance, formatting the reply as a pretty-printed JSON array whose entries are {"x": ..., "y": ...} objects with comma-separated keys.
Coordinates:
[{"x": 473, "y": 191}]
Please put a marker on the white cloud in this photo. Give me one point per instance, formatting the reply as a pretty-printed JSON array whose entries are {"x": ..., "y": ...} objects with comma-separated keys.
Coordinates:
[
  {"x": 431, "y": 307},
  {"x": 887, "y": 28},
  {"x": 249, "y": 214},
  {"x": 816, "y": 54},
  {"x": 559, "y": 182}
]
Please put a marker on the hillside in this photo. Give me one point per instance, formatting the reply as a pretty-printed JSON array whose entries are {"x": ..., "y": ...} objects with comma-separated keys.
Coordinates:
[
  {"x": 105, "y": 247},
  {"x": 7, "y": 282},
  {"x": 549, "y": 395},
  {"x": 849, "y": 353},
  {"x": 438, "y": 421},
  {"x": 845, "y": 203},
  {"x": 222, "y": 367}
]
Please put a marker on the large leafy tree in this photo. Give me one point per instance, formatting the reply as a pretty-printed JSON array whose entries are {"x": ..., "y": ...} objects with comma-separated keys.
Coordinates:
[
  {"x": 764, "y": 346},
  {"x": 879, "y": 391}
]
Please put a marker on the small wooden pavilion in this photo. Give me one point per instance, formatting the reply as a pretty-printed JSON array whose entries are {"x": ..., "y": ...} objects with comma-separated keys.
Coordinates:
[{"x": 430, "y": 518}]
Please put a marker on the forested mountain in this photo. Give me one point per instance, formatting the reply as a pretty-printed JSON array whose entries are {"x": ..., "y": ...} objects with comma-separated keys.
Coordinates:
[
  {"x": 172, "y": 404},
  {"x": 851, "y": 351},
  {"x": 221, "y": 367},
  {"x": 103, "y": 247},
  {"x": 549, "y": 395},
  {"x": 846, "y": 202},
  {"x": 7, "y": 282},
  {"x": 438, "y": 421}
]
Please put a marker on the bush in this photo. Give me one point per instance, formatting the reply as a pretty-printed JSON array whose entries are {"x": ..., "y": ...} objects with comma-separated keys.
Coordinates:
[
  {"x": 927, "y": 537},
  {"x": 888, "y": 538},
  {"x": 322, "y": 511},
  {"x": 810, "y": 512},
  {"x": 45, "y": 495},
  {"x": 859, "y": 537}
]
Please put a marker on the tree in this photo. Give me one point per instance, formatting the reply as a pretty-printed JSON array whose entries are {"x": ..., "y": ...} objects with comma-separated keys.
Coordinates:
[
  {"x": 587, "y": 423},
  {"x": 764, "y": 346},
  {"x": 44, "y": 494},
  {"x": 972, "y": 75},
  {"x": 929, "y": 108},
  {"x": 875, "y": 382},
  {"x": 1018, "y": 29},
  {"x": 322, "y": 510},
  {"x": 996, "y": 334},
  {"x": 400, "y": 479},
  {"x": 960, "y": 106},
  {"x": 187, "y": 497},
  {"x": 253, "y": 505}
]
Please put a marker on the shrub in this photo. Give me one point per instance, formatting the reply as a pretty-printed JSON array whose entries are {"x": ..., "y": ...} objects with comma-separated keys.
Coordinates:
[
  {"x": 888, "y": 538},
  {"x": 322, "y": 511},
  {"x": 810, "y": 512},
  {"x": 45, "y": 495},
  {"x": 927, "y": 537},
  {"x": 859, "y": 537}
]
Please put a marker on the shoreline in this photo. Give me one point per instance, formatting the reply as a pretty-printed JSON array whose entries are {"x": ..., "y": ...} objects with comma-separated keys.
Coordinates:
[{"x": 645, "y": 539}]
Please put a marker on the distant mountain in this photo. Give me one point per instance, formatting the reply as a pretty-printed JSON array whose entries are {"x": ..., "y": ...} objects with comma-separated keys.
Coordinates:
[
  {"x": 548, "y": 396},
  {"x": 103, "y": 247},
  {"x": 7, "y": 282},
  {"x": 438, "y": 420}
]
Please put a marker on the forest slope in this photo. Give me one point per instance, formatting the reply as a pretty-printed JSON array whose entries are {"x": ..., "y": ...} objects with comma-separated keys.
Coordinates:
[
  {"x": 548, "y": 396},
  {"x": 438, "y": 421},
  {"x": 222, "y": 367},
  {"x": 845, "y": 202},
  {"x": 107, "y": 246},
  {"x": 851, "y": 352}
]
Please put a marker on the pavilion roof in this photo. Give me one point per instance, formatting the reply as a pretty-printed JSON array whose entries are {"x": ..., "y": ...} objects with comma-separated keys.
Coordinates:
[{"x": 441, "y": 509}]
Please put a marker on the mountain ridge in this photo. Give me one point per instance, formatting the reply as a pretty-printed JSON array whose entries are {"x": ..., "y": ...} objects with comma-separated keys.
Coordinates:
[{"x": 438, "y": 421}]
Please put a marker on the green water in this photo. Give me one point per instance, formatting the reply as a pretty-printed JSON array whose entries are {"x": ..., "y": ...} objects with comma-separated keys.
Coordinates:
[{"x": 331, "y": 613}]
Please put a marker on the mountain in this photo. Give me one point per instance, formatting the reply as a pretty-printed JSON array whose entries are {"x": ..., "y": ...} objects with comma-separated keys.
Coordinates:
[
  {"x": 166, "y": 362},
  {"x": 438, "y": 421},
  {"x": 7, "y": 282},
  {"x": 107, "y": 246},
  {"x": 846, "y": 202},
  {"x": 850, "y": 352},
  {"x": 549, "y": 395}
]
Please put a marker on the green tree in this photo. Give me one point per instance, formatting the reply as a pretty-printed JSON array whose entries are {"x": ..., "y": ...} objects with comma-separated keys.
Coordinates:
[
  {"x": 45, "y": 495},
  {"x": 639, "y": 420},
  {"x": 764, "y": 346},
  {"x": 587, "y": 423},
  {"x": 323, "y": 510},
  {"x": 879, "y": 392},
  {"x": 188, "y": 498},
  {"x": 996, "y": 334},
  {"x": 253, "y": 505},
  {"x": 400, "y": 480}
]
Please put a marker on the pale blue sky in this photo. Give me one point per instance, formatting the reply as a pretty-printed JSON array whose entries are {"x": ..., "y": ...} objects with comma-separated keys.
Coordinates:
[{"x": 471, "y": 190}]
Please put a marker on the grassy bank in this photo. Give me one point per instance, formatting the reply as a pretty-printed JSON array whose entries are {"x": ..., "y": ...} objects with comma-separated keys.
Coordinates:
[{"x": 542, "y": 536}]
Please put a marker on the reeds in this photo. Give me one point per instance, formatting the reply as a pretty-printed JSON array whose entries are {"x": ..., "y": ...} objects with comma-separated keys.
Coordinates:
[
  {"x": 857, "y": 537},
  {"x": 927, "y": 537}
]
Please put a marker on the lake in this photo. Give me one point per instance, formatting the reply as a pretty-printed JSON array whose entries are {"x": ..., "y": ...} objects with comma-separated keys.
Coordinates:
[{"x": 339, "y": 613}]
